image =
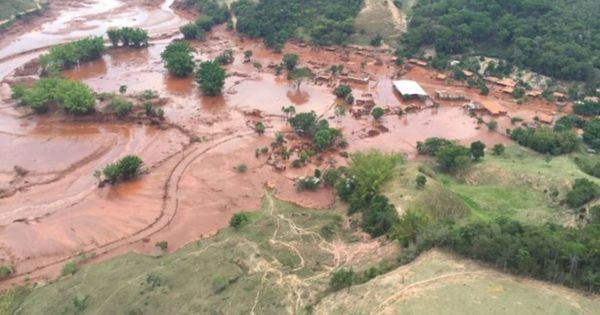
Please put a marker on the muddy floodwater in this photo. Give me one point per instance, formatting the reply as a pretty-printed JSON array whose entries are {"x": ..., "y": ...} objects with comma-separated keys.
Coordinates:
[{"x": 51, "y": 208}]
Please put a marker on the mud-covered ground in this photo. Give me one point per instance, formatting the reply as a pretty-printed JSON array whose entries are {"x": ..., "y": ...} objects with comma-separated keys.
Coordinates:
[{"x": 51, "y": 208}]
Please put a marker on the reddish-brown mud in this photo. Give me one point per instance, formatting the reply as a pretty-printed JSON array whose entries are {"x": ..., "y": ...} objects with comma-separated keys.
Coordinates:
[{"x": 52, "y": 209}]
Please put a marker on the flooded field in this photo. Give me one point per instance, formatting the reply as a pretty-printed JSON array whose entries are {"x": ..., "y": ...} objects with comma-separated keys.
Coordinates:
[{"x": 51, "y": 208}]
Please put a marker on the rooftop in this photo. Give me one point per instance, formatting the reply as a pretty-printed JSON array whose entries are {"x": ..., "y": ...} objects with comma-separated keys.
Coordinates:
[{"x": 408, "y": 88}]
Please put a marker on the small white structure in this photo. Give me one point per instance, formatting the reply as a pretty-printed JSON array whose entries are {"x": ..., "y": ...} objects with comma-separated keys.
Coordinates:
[{"x": 409, "y": 89}]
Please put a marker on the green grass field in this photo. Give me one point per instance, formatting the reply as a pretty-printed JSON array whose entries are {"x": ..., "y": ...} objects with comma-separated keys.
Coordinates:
[
  {"x": 439, "y": 283},
  {"x": 8, "y": 8},
  {"x": 521, "y": 184},
  {"x": 277, "y": 264}
]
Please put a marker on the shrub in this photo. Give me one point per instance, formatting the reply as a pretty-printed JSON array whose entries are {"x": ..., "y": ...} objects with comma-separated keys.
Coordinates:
[
  {"x": 377, "y": 40},
  {"x": 582, "y": 192},
  {"x": 69, "y": 268},
  {"x": 342, "y": 279},
  {"x": 73, "y": 96},
  {"x": 307, "y": 183},
  {"x": 498, "y": 149},
  {"x": 126, "y": 168},
  {"x": 589, "y": 165},
  {"x": 6, "y": 271},
  {"x": 128, "y": 36},
  {"x": 290, "y": 61},
  {"x": 421, "y": 181},
  {"x": 191, "y": 31},
  {"x": 241, "y": 168},
  {"x": 239, "y": 220},
  {"x": 259, "y": 127},
  {"x": 121, "y": 106},
  {"x": 591, "y": 133},
  {"x": 226, "y": 57},
  {"x": 477, "y": 150},
  {"x": 331, "y": 177},
  {"x": 80, "y": 302},
  {"x": 163, "y": 245}
]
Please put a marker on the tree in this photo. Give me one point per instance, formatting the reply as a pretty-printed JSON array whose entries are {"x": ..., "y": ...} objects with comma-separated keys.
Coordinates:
[
  {"x": 409, "y": 226},
  {"x": 421, "y": 181},
  {"x": 376, "y": 40},
  {"x": 377, "y": 113},
  {"x": 477, "y": 150},
  {"x": 343, "y": 91},
  {"x": 114, "y": 35},
  {"x": 304, "y": 123},
  {"x": 379, "y": 217},
  {"x": 591, "y": 133},
  {"x": 178, "y": 59},
  {"x": 211, "y": 78},
  {"x": 453, "y": 157},
  {"x": 492, "y": 125},
  {"x": 341, "y": 279},
  {"x": 290, "y": 61},
  {"x": 582, "y": 192},
  {"x": 130, "y": 167},
  {"x": 122, "y": 89}
]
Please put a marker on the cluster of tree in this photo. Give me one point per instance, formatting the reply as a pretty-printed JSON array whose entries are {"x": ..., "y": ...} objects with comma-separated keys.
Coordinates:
[
  {"x": 128, "y": 37},
  {"x": 546, "y": 140},
  {"x": 589, "y": 165},
  {"x": 211, "y": 13},
  {"x": 68, "y": 55},
  {"x": 125, "y": 169},
  {"x": 591, "y": 133},
  {"x": 548, "y": 252},
  {"x": 582, "y": 192},
  {"x": 587, "y": 108},
  {"x": 359, "y": 185},
  {"x": 568, "y": 122},
  {"x": 556, "y": 38},
  {"x": 179, "y": 61},
  {"x": 326, "y": 22},
  {"x": 451, "y": 156},
  {"x": 323, "y": 137},
  {"x": 72, "y": 96},
  {"x": 178, "y": 58}
]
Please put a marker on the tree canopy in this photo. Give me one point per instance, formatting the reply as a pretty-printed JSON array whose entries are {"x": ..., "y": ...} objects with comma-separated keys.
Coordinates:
[
  {"x": 211, "y": 78},
  {"x": 178, "y": 59},
  {"x": 558, "y": 38}
]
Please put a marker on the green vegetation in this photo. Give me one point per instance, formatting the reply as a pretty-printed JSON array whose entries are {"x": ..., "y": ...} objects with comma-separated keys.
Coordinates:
[
  {"x": 589, "y": 165},
  {"x": 68, "y": 55},
  {"x": 278, "y": 259},
  {"x": 211, "y": 77},
  {"x": 583, "y": 191},
  {"x": 377, "y": 113},
  {"x": 120, "y": 106},
  {"x": 9, "y": 8},
  {"x": 125, "y": 169},
  {"x": 70, "y": 268},
  {"x": 545, "y": 140},
  {"x": 591, "y": 133},
  {"x": 6, "y": 271},
  {"x": 554, "y": 38},
  {"x": 324, "y": 23},
  {"x": 128, "y": 37},
  {"x": 323, "y": 137},
  {"x": 239, "y": 220},
  {"x": 192, "y": 31},
  {"x": 343, "y": 91},
  {"x": 163, "y": 245},
  {"x": 178, "y": 59},
  {"x": 259, "y": 128},
  {"x": 586, "y": 108},
  {"x": 72, "y": 96}
]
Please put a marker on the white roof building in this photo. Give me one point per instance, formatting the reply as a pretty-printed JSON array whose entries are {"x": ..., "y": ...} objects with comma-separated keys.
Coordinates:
[{"x": 408, "y": 88}]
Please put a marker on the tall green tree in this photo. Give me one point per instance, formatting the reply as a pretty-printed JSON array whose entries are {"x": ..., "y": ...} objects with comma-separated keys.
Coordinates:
[
  {"x": 178, "y": 59},
  {"x": 211, "y": 77}
]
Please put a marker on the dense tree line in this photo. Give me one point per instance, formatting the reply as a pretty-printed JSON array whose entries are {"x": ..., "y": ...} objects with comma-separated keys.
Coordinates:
[
  {"x": 325, "y": 22},
  {"x": 68, "y": 55},
  {"x": 587, "y": 108},
  {"x": 557, "y": 38},
  {"x": 548, "y": 252},
  {"x": 545, "y": 140},
  {"x": 72, "y": 96},
  {"x": 128, "y": 37},
  {"x": 591, "y": 133}
]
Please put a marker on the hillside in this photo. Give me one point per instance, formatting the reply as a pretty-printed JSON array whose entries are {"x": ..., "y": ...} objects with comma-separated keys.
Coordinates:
[{"x": 556, "y": 38}]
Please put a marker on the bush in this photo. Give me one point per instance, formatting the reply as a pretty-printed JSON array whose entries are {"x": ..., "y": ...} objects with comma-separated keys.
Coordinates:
[
  {"x": 377, "y": 40},
  {"x": 453, "y": 157},
  {"x": 241, "y": 168},
  {"x": 128, "y": 36},
  {"x": 163, "y": 245},
  {"x": 421, "y": 181},
  {"x": 379, "y": 217},
  {"x": 582, "y": 192},
  {"x": 342, "y": 279},
  {"x": 498, "y": 149},
  {"x": 259, "y": 127},
  {"x": 377, "y": 113},
  {"x": 73, "y": 96},
  {"x": 125, "y": 169},
  {"x": 226, "y": 57},
  {"x": 80, "y": 301},
  {"x": 290, "y": 61},
  {"x": 6, "y": 271},
  {"x": 178, "y": 59},
  {"x": 69, "y": 268},
  {"x": 239, "y": 220},
  {"x": 331, "y": 177},
  {"x": 477, "y": 150},
  {"x": 307, "y": 183},
  {"x": 121, "y": 106},
  {"x": 211, "y": 78},
  {"x": 191, "y": 31}
]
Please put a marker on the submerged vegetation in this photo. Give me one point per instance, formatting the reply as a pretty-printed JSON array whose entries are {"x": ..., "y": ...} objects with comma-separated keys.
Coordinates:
[
  {"x": 125, "y": 169},
  {"x": 68, "y": 55},
  {"x": 72, "y": 96},
  {"x": 178, "y": 59},
  {"x": 128, "y": 37}
]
